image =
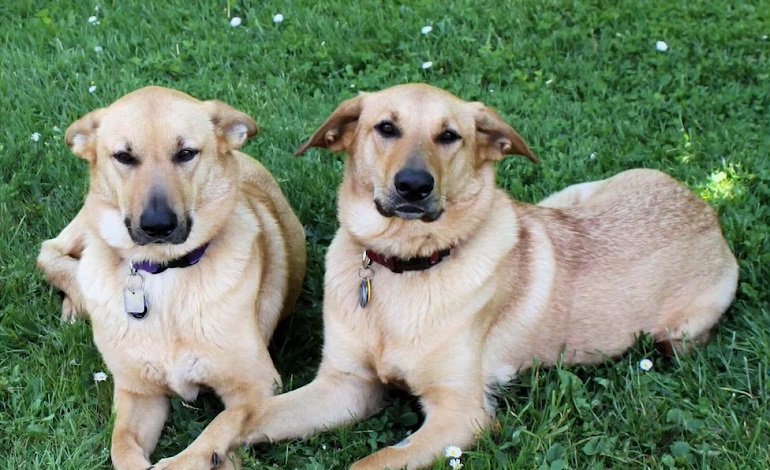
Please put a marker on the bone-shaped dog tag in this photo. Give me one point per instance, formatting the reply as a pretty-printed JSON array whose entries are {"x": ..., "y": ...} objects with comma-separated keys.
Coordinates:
[{"x": 134, "y": 300}]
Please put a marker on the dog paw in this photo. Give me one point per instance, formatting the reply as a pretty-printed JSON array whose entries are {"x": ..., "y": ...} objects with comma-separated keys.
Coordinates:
[
  {"x": 372, "y": 462},
  {"x": 196, "y": 462},
  {"x": 72, "y": 308},
  {"x": 68, "y": 312},
  {"x": 393, "y": 457}
]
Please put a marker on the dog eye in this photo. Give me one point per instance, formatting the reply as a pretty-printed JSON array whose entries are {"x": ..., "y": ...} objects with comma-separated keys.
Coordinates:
[
  {"x": 387, "y": 129},
  {"x": 448, "y": 137},
  {"x": 125, "y": 158},
  {"x": 185, "y": 155}
]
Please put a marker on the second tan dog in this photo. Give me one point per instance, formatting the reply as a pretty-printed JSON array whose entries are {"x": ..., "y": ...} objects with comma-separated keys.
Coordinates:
[
  {"x": 184, "y": 256},
  {"x": 439, "y": 282}
]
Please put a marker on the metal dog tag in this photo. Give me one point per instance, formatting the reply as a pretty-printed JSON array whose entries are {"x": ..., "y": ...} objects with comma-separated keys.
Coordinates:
[
  {"x": 366, "y": 291},
  {"x": 365, "y": 273},
  {"x": 134, "y": 300},
  {"x": 135, "y": 303}
]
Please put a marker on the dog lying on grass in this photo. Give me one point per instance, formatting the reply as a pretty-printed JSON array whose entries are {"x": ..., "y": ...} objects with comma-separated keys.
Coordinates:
[
  {"x": 438, "y": 282},
  {"x": 184, "y": 257}
]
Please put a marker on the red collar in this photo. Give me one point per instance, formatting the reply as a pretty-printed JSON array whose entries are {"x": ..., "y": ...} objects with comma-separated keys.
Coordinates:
[{"x": 399, "y": 265}]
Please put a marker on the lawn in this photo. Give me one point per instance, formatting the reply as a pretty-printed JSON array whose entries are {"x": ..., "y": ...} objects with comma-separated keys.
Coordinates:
[{"x": 585, "y": 83}]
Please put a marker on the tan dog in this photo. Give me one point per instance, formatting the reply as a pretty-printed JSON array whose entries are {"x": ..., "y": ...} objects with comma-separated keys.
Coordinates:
[
  {"x": 185, "y": 256},
  {"x": 488, "y": 284}
]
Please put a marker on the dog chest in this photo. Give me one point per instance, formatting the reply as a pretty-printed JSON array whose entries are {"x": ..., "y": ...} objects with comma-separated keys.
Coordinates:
[
  {"x": 425, "y": 334},
  {"x": 173, "y": 348},
  {"x": 416, "y": 324}
]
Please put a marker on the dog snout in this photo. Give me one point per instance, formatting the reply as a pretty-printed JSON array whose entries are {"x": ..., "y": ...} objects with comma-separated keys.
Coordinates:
[
  {"x": 158, "y": 220},
  {"x": 413, "y": 185}
]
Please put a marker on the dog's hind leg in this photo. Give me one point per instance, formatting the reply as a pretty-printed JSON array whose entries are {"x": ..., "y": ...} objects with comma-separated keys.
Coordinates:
[
  {"x": 692, "y": 322},
  {"x": 139, "y": 420},
  {"x": 58, "y": 259}
]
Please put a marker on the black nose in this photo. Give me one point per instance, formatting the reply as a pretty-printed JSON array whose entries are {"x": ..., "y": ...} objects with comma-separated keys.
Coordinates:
[
  {"x": 158, "y": 220},
  {"x": 413, "y": 185}
]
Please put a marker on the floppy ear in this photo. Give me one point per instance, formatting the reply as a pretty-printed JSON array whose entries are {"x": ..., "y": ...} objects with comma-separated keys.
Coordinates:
[
  {"x": 496, "y": 139},
  {"x": 335, "y": 134},
  {"x": 81, "y": 135},
  {"x": 231, "y": 126}
]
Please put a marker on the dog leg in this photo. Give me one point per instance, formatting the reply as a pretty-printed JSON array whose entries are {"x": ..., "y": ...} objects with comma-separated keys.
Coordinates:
[
  {"x": 139, "y": 420},
  {"x": 453, "y": 417},
  {"x": 58, "y": 259},
  {"x": 332, "y": 399}
]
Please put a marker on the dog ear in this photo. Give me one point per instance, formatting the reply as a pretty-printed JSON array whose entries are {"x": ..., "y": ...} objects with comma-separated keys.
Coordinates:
[
  {"x": 231, "y": 126},
  {"x": 81, "y": 135},
  {"x": 335, "y": 134},
  {"x": 496, "y": 139}
]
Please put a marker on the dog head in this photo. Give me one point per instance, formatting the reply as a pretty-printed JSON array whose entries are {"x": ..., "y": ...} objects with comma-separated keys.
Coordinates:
[
  {"x": 160, "y": 161},
  {"x": 420, "y": 170}
]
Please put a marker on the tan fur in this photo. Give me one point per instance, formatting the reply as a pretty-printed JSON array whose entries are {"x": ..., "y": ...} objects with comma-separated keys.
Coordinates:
[
  {"x": 580, "y": 276},
  {"x": 208, "y": 324}
]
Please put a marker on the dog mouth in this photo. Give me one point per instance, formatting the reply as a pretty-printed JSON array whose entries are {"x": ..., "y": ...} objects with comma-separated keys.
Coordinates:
[
  {"x": 175, "y": 236},
  {"x": 409, "y": 211}
]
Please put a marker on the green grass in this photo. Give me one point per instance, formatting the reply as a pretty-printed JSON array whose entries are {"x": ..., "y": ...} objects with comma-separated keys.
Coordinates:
[{"x": 575, "y": 78}]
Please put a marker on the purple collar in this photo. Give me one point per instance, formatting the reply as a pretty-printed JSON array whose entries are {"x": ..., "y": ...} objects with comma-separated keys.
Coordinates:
[{"x": 182, "y": 262}]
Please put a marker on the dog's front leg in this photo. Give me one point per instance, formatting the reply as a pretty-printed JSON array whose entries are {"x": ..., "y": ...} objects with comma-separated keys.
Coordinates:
[
  {"x": 332, "y": 399},
  {"x": 58, "y": 259},
  {"x": 139, "y": 420},
  {"x": 453, "y": 417}
]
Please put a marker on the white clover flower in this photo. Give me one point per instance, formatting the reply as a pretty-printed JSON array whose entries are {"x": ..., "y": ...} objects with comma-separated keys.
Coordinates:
[
  {"x": 98, "y": 49},
  {"x": 591, "y": 156},
  {"x": 92, "y": 88},
  {"x": 645, "y": 364},
  {"x": 278, "y": 18},
  {"x": 35, "y": 136},
  {"x": 453, "y": 452},
  {"x": 100, "y": 376},
  {"x": 661, "y": 46},
  {"x": 426, "y": 29},
  {"x": 764, "y": 37},
  {"x": 455, "y": 464},
  {"x": 427, "y": 65},
  {"x": 235, "y": 21},
  {"x": 93, "y": 20}
]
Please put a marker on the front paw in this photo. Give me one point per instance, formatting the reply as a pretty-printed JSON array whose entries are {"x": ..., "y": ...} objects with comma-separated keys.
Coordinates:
[
  {"x": 191, "y": 461},
  {"x": 380, "y": 460}
]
